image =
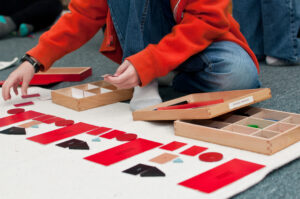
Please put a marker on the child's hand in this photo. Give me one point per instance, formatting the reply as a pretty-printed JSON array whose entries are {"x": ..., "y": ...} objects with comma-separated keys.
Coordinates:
[
  {"x": 125, "y": 76},
  {"x": 24, "y": 74}
]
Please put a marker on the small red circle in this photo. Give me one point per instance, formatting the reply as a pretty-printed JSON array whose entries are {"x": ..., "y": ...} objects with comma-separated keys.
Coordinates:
[
  {"x": 16, "y": 111},
  {"x": 64, "y": 123},
  {"x": 126, "y": 137},
  {"x": 211, "y": 157}
]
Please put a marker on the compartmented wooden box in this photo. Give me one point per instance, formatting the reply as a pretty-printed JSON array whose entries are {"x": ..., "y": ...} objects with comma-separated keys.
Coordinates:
[
  {"x": 232, "y": 100},
  {"x": 255, "y": 129},
  {"x": 90, "y": 95}
]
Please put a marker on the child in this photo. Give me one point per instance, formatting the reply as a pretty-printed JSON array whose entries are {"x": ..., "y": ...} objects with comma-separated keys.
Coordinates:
[
  {"x": 198, "y": 39},
  {"x": 272, "y": 29},
  {"x": 25, "y": 16}
]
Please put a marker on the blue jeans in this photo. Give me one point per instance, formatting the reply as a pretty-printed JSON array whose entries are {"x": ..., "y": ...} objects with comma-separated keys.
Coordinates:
[
  {"x": 271, "y": 27},
  {"x": 222, "y": 66}
]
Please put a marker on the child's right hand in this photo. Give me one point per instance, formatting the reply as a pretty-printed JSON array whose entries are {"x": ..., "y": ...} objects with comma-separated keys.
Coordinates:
[{"x": 24, "y": 73}]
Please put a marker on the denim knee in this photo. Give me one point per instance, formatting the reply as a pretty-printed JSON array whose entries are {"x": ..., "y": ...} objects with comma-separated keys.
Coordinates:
[{"x": 227, "y": 67}]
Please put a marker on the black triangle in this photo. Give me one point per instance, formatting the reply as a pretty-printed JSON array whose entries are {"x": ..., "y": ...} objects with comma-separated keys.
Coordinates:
[
  {"x": 153, "y": 172},
  {"x": 68, "y": 143},
  {"x": 14, "y": 131},
  {"x": 81, "y": 145},
  {"x": 137, "y": 169}
]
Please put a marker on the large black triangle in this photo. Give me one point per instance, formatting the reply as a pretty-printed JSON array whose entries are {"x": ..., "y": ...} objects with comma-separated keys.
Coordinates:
[
  {"x": 137, "y": 169},
  {"x": 153, "y": 172},
  {"x": 68, "y": 143},
  {"x": 81, "y": 145},
  {"x": 14, "y": 131}
]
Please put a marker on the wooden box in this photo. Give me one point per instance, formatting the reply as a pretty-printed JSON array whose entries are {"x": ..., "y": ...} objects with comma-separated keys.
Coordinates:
[
  {"x": 255, "y": 129},
  {"x": 233, "y": 100},
  {"x": 90, "y": 95}
]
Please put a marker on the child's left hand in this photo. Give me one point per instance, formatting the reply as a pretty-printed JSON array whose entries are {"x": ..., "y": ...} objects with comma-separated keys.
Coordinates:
[{"x": 125, "y": 77}]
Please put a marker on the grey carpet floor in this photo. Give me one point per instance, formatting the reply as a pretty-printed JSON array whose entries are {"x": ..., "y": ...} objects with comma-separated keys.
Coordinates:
[{"x": 283, "y": 81}]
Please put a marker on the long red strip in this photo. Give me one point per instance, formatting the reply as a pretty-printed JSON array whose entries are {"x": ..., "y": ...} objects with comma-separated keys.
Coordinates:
[
  {"x": 53, "y": 120},
  {"x": 192, "y": 105},
  {"x": 19, "y": 118},
  {"x": 221, "y": 176},
  {"x": 172, "y": 146},
  {"x": 123, "y": 151},
  {"x": 43, "y": 118},
  {"x": 62, "y": 133}
]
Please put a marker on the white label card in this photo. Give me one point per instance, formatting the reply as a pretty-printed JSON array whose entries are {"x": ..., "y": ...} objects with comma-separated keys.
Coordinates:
[{"x": 241, "y": 102}]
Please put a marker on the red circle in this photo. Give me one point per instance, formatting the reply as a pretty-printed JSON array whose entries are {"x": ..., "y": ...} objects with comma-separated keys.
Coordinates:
[
  {"x": 211, "y": 157},
  {"x": 64, "y": 123},
  {"x": 16, "y": 111},
  {"x": 126, "y": 137}
]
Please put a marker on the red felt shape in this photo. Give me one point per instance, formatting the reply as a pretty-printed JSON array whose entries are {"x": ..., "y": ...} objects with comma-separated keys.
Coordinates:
[
  {"x": 173, "y": 146},
  {"x": 15, "y": 111},
  {"x": 19, "y": 118},
  {"x": 62, "y": 133},
  {"x": 23, "y": 104},
  {"x": 123, "y": 151},
  {"x": 43, "y": 118},
  {"x": 31, "y": 95},
  {"x": 64, "y": 122},
  {"x": 221, "y": 176},
  {"x": 112, "y": 134},
  {"x": 53, "y": 120},
  {"x": 126, "y": 137},
  {"x": 98, "y": 131},
  {"x": 194, "y": 150},
  {"x": 211, "y": 157}
]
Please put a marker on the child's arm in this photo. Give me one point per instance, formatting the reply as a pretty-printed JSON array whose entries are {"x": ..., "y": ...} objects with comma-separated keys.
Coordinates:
[{"x": 204, "y": 22}]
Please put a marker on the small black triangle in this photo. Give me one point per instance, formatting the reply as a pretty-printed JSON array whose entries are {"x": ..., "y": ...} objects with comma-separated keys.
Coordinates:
[
  {"x": 137, "y": 169},
  {"x": 153, "y": 172},
  {"x": 82, "y": 145},
  {"x": 68, "y": 143},
  {"x": 14, "y": 131}
]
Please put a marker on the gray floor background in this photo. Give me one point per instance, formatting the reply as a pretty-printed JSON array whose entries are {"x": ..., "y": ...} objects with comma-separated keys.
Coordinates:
[{"x": 283, "y": 81}]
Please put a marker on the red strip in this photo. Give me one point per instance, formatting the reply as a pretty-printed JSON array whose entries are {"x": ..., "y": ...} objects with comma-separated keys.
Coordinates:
[
  {"x": 43, "y": 118},
  {"x": 53, "y": 120},
  {"x": 31, "y": 95},
  {"x": 23, "y": 104},
  {"x": 19, "y": 118},
  {"x": 98, "y": 131},
  {"x": 194, "y": 150},
  {"x": 16, "y": 111},
  {"x": 221, "y": 176},
  {"x": 112, "y": 134},
  {"x": 192, "y": 105},
  {"x": 122, "y": 152},
  {"x": 62, "y": 133},
  {"x": 172, "y": 146}
]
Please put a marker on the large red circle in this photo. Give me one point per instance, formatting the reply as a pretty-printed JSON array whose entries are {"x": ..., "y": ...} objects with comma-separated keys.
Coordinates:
[
  {"x": 211, "y": 157},
  {"x": 64, "y": 123},
  {"x": 126, "y": 137},
  {"x": 16, "y": 111}
]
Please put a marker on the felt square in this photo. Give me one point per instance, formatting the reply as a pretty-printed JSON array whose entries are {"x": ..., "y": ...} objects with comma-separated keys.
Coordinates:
[{"x": 29, "y": 124}]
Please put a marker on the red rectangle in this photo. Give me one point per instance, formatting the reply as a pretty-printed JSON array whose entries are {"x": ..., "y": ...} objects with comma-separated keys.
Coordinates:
[
  {"x": 98, "y": 131},
  {"x": 194, "y": 150},
  {"x": 43, "y": 118},
  {"x": 172, "y": 146},
  {"x": 23, "y": 104},
  {"x": 221, "y": 176},
  {"x": 19, "y": 118},
  {"x": 112, "y": 134},
  {"x": 123, "y": 151},
  {"x": 52, "y": 120},
  {"x": 31, "y": 95},
  {"x": 62, "y": 133}
]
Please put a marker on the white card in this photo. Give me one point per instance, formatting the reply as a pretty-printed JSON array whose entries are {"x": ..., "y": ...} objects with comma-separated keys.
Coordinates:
[{"x": 6, "y": 64}]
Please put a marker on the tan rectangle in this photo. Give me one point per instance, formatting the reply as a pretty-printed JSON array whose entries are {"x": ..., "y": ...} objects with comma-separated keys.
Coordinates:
[
  {"x": 29, "y": 124},
  {"x": 163, "y": 158}
]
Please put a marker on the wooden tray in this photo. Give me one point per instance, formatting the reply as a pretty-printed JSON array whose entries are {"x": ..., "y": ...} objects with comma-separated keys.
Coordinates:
[
  {"x": 277, "y": 130},
  {"x": 90, "y": 95},
  {"x": 233, "y": 100}
]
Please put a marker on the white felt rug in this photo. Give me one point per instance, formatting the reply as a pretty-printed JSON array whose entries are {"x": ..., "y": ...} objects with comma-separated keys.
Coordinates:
[{"x": 35, "y": 171}]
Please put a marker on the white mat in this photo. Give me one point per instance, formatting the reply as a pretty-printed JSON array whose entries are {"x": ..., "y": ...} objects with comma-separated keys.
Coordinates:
[{"x": 31, "y": 170}]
